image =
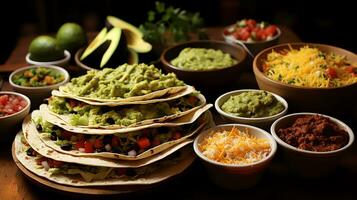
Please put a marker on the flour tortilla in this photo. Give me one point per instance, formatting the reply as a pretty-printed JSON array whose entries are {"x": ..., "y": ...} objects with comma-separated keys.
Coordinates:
[
  {"x": 186, "y": 119},
  {"x": 186, "y": 159},
  {"x": 33, "y": 139},
  {"x": 152, "y": 95},
  {"x": 168, "y": 97},
  {"x": 66, "y": 117},
  {"x": 173, "y": 120},
  {"x": 30, "y": 127}
]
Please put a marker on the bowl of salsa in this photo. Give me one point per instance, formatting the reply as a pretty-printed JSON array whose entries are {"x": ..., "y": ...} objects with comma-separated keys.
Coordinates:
[
  {"x": 37, "y": 82},
  {"x": 312, "y": 143},
  {"x": 255, "y": 35},
  {"x": 13, "y": 109}
]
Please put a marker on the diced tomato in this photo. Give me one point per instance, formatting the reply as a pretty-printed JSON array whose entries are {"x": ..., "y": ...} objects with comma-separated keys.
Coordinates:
[
  {"x": 40, "y": 160},
  {"x": 192, "y": 100},
  {"x": 115, "y": 141},
  {"x": 331, "y": 72},
  {"x": 244, "y": 34},
  {"x": 4, "y": 99},
  {"x": 251, "y": 23},
  {"x": 260, "y": 35},
  {"x": 57, "y": 164},
  {"x": 176, "y": 135},
  {"x": 66, "y": 134},
  {"x": 271, "y": 30},
  {"x": 98, "y": 144},
  {"x": 88, "y": 147},
  {"x": 79, "y": 144},
  {"x": 72, "y": 103},
  {"x": 143, "y": 143}
]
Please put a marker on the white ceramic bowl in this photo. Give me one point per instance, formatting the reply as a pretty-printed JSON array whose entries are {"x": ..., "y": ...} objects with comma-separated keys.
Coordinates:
[
  {"x": 262, "y": 122},
  {"x": 62, "y": 62},
  {"x": 38, "y": 94},
  {"x": 232, "y": 176},
  {"x": 310, "y": 164},
  {"x": 10, "y": 123}
]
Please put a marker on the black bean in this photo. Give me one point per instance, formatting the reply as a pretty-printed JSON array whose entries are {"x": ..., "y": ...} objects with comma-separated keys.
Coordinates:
[
  {"x": 30, "y": 152},
  {"x": 66, "y": 146},
  {"x": 110, "y": 121},
  {"x": 39, "y": 127},
  {"x": 53, "y": 136}
]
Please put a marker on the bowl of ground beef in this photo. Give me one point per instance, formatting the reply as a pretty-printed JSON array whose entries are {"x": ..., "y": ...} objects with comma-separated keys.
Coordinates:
[{"x": 312, "y": 143}]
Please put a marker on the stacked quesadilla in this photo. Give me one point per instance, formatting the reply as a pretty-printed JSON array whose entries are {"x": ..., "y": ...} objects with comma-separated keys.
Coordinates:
[{"x": 125, "y": 126}]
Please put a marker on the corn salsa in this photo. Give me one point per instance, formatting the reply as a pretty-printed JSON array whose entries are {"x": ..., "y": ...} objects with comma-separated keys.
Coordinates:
[
  {"x": 310, "y": 67},
  {"x": 234, "y": 147}
]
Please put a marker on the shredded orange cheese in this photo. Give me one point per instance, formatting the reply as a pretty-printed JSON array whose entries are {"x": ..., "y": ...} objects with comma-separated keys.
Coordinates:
[
  {"x": 308, "y": 66},
  {"x": 234, "y": 147}
]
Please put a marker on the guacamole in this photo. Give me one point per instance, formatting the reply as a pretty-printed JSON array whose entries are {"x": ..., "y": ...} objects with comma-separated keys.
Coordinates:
[
  {"x": 253, "y": 104},
  {"x": 203, "y": 59},
  {"x": 123, "y": 82},
  {"x": 84, "y": 114}
]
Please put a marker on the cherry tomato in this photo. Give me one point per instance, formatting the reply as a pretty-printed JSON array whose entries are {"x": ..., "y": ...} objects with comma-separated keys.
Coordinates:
[
  {"x": 251, "y": 23},
  {"x": 331, "y": 72},
  {"x": 260, "y": 35},
  {"x": 143, "y": 143},
  {"x": 271, "y": 30},
  {"x": 88, "y": 147}
]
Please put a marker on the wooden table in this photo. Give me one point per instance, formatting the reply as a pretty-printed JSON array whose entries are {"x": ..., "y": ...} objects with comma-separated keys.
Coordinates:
[{"x": 277, "y": 183}]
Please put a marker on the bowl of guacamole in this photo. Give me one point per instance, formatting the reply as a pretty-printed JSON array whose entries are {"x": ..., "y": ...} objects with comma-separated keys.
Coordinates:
[
  {"x": 249, "y": 106},
  {"x": 205, "y": 62}
]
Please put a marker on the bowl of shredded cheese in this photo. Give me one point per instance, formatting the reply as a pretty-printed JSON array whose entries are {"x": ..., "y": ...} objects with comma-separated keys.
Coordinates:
[
  {"x": 311, "y": 77},
  {"x": 235, "y": 155}
]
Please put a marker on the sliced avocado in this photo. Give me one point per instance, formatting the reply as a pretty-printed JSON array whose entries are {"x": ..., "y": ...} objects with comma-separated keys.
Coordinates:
[
  {"x": 95, "y": 44},
  {"x": 115, "y": 36},
  {"x": 133, "y": 35}
]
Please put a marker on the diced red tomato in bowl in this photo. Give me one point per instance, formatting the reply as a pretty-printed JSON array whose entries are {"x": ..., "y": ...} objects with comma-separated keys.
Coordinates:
[
  {"x": 10, "y": 104},
  {"x": 249, "y": 30}
]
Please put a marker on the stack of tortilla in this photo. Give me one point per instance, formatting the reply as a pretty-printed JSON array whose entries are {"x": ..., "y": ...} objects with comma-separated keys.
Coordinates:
[{"x": 125, "y": 126}]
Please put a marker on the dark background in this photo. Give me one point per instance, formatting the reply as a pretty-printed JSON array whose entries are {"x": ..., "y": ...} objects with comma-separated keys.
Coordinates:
[{"x": 314, "y": 21}]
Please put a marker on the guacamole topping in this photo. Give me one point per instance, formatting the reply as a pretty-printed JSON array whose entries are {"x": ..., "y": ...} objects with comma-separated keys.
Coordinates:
[
  {"x": 84, "y": 114},
  {"x": 203, "y": 59},
  {"x": 253, "y": 104},
  {"x": 123, "y": 82}
]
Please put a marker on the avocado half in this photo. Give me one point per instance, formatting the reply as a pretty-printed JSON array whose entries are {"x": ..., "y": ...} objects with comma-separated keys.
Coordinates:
[
  {"x": 134, "y": 36},
  {"x": 108, "y": 49}
]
